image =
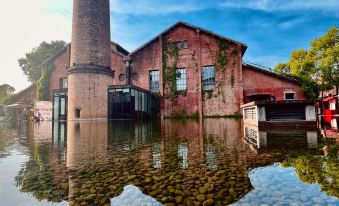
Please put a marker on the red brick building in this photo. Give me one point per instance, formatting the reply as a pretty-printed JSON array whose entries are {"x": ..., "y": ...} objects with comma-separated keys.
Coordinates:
[{"x": 193, "y": 70}]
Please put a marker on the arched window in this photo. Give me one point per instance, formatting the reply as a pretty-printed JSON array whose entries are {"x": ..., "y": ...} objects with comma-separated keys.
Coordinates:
[{"x": 77, "y": 113}]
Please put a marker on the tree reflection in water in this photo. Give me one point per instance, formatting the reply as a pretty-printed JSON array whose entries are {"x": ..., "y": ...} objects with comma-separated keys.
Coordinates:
[{"x": 323, "y": 170}]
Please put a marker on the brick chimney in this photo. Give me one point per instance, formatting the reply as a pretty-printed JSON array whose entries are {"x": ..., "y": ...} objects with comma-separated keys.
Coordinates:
[{"x": 90, "y": 73}]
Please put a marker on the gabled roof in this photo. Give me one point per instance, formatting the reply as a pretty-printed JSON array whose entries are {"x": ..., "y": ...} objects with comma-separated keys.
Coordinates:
[
  {"x": 120, "y": 48},
  {"x": 263, "y": 70},
  {"x": 180, "y": 23},
  {"x": 60, "y": 51}
]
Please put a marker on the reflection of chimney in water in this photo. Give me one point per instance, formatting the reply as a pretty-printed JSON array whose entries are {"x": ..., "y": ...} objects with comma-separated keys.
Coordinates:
[{"x": 86, "y": 145}]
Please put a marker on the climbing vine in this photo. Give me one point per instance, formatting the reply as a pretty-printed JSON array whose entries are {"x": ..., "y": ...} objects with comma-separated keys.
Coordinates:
[
  {"x": 232, "y": 78},
  {"x": 221, "y": 55},
  {"x": 170, "y": 75},
  {"x": 42, "y": 84},
  {"x": 196, "y": 65}
]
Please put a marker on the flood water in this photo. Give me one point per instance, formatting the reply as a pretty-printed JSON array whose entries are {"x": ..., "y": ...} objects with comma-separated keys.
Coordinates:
[{"x": 209, "y": 162}]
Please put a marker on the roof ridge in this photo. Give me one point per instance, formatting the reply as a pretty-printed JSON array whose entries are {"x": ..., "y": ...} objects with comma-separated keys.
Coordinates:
[
  {"x": 261, "y": 68},
  {"x": 189, "y": 25}
]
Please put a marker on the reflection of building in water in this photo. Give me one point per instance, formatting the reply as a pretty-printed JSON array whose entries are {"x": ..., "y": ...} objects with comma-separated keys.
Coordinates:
[
  {"x": 183, "y": 155},
  {"x": 211, "y": 156},
  {"x": 86, "y": 141},
  {"x": 156, "y": 156},
  {"x": 278, "y": 138},
  {"x": 129, "y": 135},
  {"x": 59, "y": 138}
]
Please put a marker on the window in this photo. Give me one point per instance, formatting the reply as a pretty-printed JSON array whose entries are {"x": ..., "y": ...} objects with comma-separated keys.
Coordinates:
[
  {"x": 154, "y": 81},
  {"x": 77, "y": 113},
  {"x": 122, "y": 77},
  {"x": 208, "y": 77},
  {"x": 181, "y": 79},
  {"x": 180, "y": 44},
  {"x": 63, "y": 83},
  {"x": 289, "y": 95}
]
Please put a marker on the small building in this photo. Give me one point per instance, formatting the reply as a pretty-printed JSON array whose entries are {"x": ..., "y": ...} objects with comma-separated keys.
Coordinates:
[
  {"x": 284, "y": 113},
  {"x": 43, "y": 110}
]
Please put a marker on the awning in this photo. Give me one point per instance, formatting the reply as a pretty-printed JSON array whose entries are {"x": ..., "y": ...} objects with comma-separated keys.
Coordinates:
[
  {"x": 328, "y": 99},
  {"x": 17, "y": 105}
]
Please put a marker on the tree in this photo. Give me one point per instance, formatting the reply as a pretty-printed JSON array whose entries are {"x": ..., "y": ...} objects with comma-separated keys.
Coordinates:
[
  {"x": 317, "y": 68},
  {"x": 30, "y": 64},
  {"x": 37, "y": 73},
  {"x": 5, "y": 92}
]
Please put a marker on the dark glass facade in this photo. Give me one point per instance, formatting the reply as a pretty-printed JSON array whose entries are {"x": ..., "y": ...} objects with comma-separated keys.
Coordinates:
[
  {"x": 129, "y": 102},
  {"x": 60, "y": 105}
]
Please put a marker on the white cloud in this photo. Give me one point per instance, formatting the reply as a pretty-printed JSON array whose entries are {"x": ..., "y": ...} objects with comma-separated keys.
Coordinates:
[
  {"x": 283, "y": 5},
  {"x": 25, "y": 24}
]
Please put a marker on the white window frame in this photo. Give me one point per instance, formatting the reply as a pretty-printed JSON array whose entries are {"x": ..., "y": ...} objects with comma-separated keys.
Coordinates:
[{"x": 289, "y": 92}]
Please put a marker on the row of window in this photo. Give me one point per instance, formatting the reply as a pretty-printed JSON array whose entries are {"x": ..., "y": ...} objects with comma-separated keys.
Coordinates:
[{"x": 208, "y": 79}]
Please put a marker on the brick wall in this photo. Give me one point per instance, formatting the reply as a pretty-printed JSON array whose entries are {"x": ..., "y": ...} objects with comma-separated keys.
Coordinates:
[
  {"x": 118, "y": 66},
  {"x": 61, "y": 63},
  {"x": 226, "y": 97},
  {"x": 201, "y": 51},
  {"x": 145, "y": 60},
  {"x": 256, "y": 82}
]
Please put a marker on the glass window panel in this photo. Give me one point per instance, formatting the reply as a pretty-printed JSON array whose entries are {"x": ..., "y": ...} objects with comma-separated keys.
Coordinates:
[
  {"x": 181, "y": 79},
  {"x": 62, "y": 106},
  {"x": 144, "y": 103},
  {"x": 289, "y": 96},
  {"x": 56, "y": 107},
  {"x": 63, "y": 83},
  {"x": 154, "y": 81},
  {"x": 208, "y": 77},
  {"x": 185, "y": 44}
]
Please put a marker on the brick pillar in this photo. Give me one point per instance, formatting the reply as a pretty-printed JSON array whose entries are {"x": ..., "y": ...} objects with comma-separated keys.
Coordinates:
[
  {"x": 161, "y": 74},
  {"x": 90, "y": 73},
  {"x": 241, "y": 80},
  {"x": 201, "y": 112}
]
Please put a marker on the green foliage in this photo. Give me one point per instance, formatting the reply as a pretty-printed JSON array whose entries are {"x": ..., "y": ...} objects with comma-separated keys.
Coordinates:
[
  {"x": 318, "y": 169},
  {"x": 36, "y": 68},
  {"x": 317, "y": 68},
  {"x": 235, "y": 116},
  {"x": 43, "y": 83},
  {"x": 30, "y": 64},
  {"x": 182, "y": 114},
  {"x": 208, "y": 94},
  {"x": 6, "y": 91},
  {"x": 232, "y": 78},
  {"x": 170, "y": 56},
  {"x": 221, "y": 55},
  {"x": 282, "y": 69}
]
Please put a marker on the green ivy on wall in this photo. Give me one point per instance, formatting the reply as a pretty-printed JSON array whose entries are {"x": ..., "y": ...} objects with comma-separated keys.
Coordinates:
[
  {"x": 221, "y": 55},
  {"x": 170, "y": 56},
  {"x": 42, "y": 84}
]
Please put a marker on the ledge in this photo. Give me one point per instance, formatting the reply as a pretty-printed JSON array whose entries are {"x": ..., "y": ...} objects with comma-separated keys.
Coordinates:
[{"x": 88, "y": 68}]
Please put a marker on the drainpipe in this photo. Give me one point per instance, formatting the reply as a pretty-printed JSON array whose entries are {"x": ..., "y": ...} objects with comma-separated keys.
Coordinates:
[{"x": 128, "y": 61}]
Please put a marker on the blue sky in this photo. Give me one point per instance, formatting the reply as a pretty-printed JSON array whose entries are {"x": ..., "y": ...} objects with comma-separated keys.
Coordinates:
[{"x": 270, "y": 28}]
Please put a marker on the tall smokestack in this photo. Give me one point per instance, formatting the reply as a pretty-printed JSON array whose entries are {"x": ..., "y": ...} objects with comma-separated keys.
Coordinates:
[{"x": 90, "y": 74}]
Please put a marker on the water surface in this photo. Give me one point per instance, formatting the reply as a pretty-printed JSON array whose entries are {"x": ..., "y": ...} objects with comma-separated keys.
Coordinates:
[{"x": 210, "y": 162}]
